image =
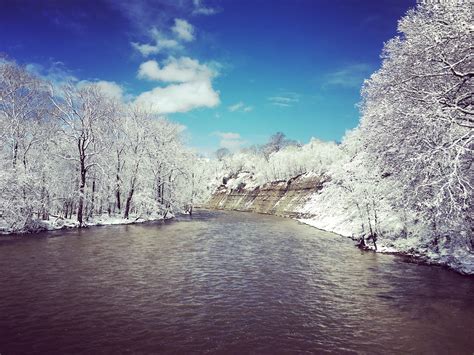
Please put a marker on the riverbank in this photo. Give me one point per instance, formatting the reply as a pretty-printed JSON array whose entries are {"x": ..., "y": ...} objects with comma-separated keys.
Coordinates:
[
  {"x": 459, "y": 261},
  {"x": 310, "y": 199},
  {"x": 58, "y": 223}
]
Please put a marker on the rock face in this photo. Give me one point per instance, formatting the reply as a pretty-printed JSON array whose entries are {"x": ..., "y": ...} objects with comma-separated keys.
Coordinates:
[{"x": 281, "y": 198}]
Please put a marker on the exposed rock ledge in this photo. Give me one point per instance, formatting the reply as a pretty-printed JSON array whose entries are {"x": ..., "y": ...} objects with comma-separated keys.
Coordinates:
[{"x": 280, "y": 198}]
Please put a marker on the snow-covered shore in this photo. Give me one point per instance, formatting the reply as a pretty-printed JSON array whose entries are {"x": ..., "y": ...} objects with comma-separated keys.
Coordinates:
[
  {"x": 458, "y": 259},
  {"x": 58, "y": 223},
  {"x": 329, "y": 210}
]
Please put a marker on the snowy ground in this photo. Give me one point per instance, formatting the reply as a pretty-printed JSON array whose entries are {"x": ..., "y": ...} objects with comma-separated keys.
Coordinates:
[
  {"x": 57, "y": 223},
  {"x": 344, "y": 223}
]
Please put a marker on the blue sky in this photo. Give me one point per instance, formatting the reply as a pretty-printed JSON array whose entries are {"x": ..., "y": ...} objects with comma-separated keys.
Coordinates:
[{"x": 233, "y": 72}]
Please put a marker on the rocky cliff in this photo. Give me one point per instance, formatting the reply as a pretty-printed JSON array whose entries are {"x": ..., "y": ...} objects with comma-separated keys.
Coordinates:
[{"x": 281, "y": 198}]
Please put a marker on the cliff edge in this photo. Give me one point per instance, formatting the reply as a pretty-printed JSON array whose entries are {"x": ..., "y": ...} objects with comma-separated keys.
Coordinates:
[{"x": 280, "y": 198}]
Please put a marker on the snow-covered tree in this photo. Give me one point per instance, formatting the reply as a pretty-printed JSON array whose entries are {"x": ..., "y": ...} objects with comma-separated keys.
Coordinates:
[
  {"x": 418, "y": 115},
  {"x": 25, "y": 126},
  {"x": 83, "y": 114}
]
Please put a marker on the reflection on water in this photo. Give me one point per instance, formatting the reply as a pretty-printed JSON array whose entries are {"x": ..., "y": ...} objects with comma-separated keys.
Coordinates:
[{"x": 224, "y": 282}]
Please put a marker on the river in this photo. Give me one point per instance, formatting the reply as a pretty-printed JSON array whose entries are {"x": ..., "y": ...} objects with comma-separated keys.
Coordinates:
[{"x": 224, "y": 282}]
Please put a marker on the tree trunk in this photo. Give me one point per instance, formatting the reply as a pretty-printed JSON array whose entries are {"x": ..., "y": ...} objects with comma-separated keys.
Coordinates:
[
  {"x": 128, "y": 203},
  {"x": 82, "y": 185},
  {"x": 15, "y": 154},
  {"x": 117, "y": 184},
  {"x": 117, "y": 198},
  {"x": 43, "y": 211},
  {"x": 158, "y": 189},
  {"x": 117, "y": 189},
  {"x": 91, "y": 212},
  {"x": 162, "y": 193}
]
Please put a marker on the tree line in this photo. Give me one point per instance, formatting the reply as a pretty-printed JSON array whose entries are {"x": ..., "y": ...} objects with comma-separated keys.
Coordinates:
[{"x": 75, "y": 152}]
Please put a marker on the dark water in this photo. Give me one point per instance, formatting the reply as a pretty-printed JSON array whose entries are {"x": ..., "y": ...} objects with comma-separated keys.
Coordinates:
[{"x": 224, "y": 282}]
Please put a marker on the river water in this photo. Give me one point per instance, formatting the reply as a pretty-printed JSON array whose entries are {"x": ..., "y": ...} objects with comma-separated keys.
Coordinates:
[{"x": 224, "y": 282}]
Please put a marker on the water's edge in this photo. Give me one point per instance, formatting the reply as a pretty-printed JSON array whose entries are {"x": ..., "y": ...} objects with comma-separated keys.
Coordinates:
[
  {"x": 409, "y": 257},
  {"x": 50, "y": 226}
]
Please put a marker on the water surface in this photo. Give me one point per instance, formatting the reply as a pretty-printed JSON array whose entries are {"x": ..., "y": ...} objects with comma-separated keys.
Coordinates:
[{"x": 224, "y": 282}]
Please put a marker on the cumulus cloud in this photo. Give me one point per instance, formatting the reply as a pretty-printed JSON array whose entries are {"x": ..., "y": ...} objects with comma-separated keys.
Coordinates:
[
  {"x": 181, "y": 97},
  {"x": 190, "y": 82},
  {"x": 110, "y": 88},
  {"x": 183, "y": 30},
  {"x": 230, "y": 140},
  {"x": 191, "y": 88},
  {"x": 179, "y": 70},
  {"x": 240, "y": 106}
]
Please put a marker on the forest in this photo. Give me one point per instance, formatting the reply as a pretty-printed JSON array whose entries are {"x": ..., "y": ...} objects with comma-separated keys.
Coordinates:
[
  {"x": 73, "y": 152},
  {"x": 404, "y": 174}
]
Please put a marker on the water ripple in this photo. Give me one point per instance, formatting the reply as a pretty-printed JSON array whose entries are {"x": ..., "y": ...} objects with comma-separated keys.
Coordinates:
[{"x": 224, "y": 282}]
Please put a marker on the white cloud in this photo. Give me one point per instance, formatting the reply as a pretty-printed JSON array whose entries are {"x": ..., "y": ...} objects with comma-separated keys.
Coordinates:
[
  {"x": 162, "y": 39},
  {"x": 57, "y": 74},
  {"x": 180, "y": 127},
  {"x": 160, "y": 43},
  {"x": 108, "y": 88},
  {"x": 230, "y": 140},
  {"x": 240, "y": 106},
  {"x": 284, "y": 100},
  {"x": 232, "y": 145},
  {"x": 281, "y": 104},
  {"x": 236, "y": 107},
  {"x": 201, "y": 9},
  {"x": 192, "y": 86},
  {"x": 228, "y": 135},
  {"x": 181, "y": 97},
  {"x": 183, "y": 30},
  {"x": 352, "y": 76},
  {"x": 190, "y": 81},
  {"x": 179, "y": 70},
  {"x": 146, "y": 49}
]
